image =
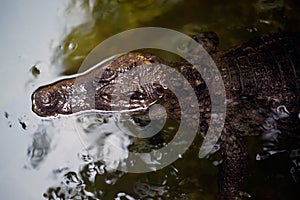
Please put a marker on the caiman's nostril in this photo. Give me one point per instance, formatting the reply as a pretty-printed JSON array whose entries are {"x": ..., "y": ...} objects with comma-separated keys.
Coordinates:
[{"x": 46, "y": 98}]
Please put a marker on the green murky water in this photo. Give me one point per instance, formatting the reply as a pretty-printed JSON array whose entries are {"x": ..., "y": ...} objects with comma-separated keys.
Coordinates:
[
  {"x": 233, "y": 21},
  {"x": 47, "y": 158}
]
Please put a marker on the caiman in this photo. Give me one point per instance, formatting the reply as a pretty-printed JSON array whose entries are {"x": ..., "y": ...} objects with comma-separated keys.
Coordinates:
[{"x": 259, "y": 75}]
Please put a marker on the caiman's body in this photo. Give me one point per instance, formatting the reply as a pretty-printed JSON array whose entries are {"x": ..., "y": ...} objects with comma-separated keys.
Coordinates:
[{"x": 256, "y": 74}]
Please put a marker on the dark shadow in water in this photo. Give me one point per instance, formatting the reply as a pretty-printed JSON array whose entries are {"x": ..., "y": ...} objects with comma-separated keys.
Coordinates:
[{"x": 40, "y": 146}]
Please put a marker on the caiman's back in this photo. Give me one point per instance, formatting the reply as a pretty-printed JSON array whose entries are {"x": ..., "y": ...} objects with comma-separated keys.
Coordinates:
[
  {"x": 256, "y": 74},
  {"x": 264, "y": 68}
]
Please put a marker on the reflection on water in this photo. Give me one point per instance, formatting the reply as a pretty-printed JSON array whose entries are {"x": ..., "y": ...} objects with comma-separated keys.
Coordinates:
[
  {"x": 295, "y": 169},
  {"x": 110, "y": 146},
  {"x": 272, "y": 138},
  {"x": 144, "y": 190},
  {"x": 39, "y": 148},
  {"x": 101, "y": 146}
]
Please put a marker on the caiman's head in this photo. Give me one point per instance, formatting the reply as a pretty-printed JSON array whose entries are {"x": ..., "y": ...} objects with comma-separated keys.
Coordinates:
[{"x": 113, "y": 87}]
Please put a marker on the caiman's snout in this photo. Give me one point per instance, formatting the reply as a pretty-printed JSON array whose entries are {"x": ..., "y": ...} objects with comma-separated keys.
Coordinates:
[{"x": 47, "y": 101}]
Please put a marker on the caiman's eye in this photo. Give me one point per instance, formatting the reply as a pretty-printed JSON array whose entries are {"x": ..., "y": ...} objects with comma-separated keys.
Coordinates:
[
  {"x": 105, "y": 96},
  {"x": 159, "y": 89},
  {"x": 108, "y": 75},
  {"x": 137, "y": 96}
]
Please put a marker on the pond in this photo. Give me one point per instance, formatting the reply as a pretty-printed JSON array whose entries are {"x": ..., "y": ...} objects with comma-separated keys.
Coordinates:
[{"x": 75, "y": 157}]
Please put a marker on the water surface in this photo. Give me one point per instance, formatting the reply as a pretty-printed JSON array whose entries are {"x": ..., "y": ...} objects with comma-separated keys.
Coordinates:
[{"x": 46, "y": 158}]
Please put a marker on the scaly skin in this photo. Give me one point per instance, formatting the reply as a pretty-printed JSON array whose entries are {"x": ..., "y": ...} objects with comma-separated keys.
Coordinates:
[{"x": 254, "y": 74}]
